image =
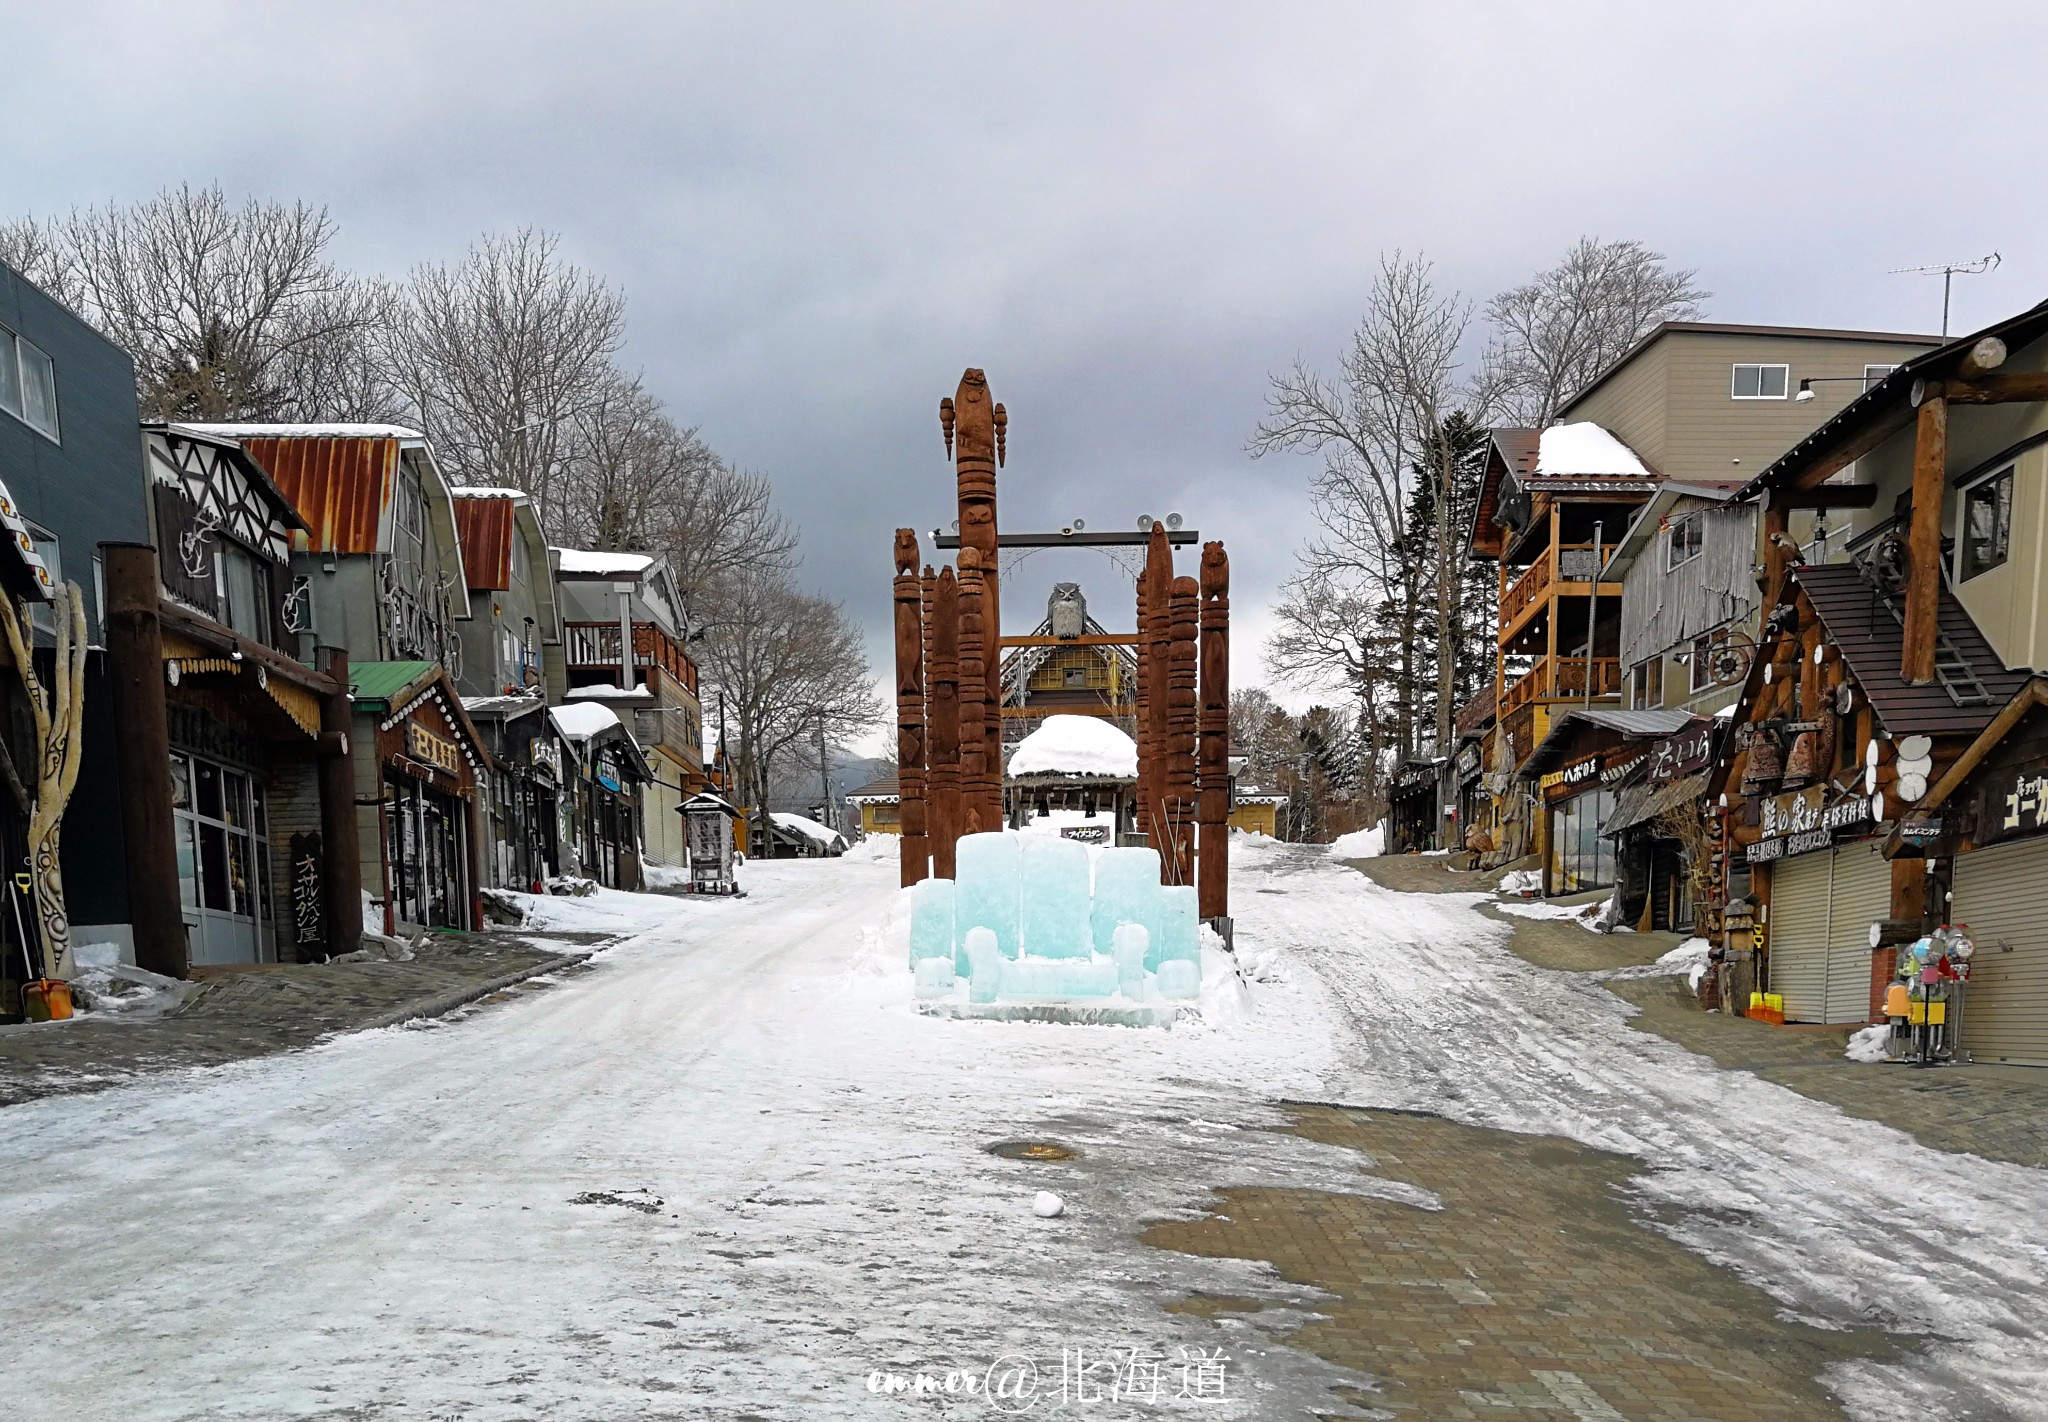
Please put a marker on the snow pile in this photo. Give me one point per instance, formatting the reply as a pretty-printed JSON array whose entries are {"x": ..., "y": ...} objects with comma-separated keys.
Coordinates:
[
  {"x": 485, "y": 491},
  {"x": 660, "y": 877},
  {"x": 321, "y": 431},
  {"x": 119, "y": 987},
  {"x": 1360, "y": 844},
  {"x": 590, "y": 561},
  {"x": 580, "y": 720},
  {"x": 1690, "y": 958},
  {"x": 1585, "y": 450},
  {"x": 1867, "y": 1045},
  {"x": 1058, "y": 822},
  {"x": 1522, "y": 882},
  {"x": 1076, "y": 745},
  {"x": 601, "y": 911},
  {"x": 1587, "y": 916},
  {"x": 876, "y": 849},
  {"x": 810, "y": 829}
]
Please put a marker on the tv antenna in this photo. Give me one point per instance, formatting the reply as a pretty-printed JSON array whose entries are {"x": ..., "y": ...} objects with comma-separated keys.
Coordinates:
[{"x": 1949, "y": 271}]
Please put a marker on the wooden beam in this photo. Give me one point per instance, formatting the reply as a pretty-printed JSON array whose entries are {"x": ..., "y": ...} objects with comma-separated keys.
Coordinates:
[
  {"x": 1021, "y": 712},
  {"x": 1923, "y": 537},
  {"x": 2021, "y": 386},
  {"x": 1777, "y": 555},
  {"x": 1089, "y": 639},
  {"x": 1855, "y": 447},
  {"x": 1831, "y": 496},
  {"x": 1178, "y": 538}
]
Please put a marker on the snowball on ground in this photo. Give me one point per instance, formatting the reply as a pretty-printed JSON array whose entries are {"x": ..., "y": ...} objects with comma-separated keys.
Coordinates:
[
  {"x": 810, "y": 829},
  {"x": 1586, "y": 449},
  {"x": 587, "y": 560},
  {"x": 1076, "y": 745},
  {"x": 1867, "y": 1045},
  {"x": 1360, "y": 844},
  {"x": 580, "y": 720}
]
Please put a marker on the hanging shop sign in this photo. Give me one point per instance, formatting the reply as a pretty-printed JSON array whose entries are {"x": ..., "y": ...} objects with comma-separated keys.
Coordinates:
[
  {"x": 1615, "y": 771},
  {"x": 607, "y": 775},
  {"x": 1086, "y": 834},
  {"x": 1801, "y": 821},
  {"x": 437, "y": 751},
  {"x": 1678, "y": 756},
  {"x": 1920, "y": 829},
  {"x": 2012, "y": 804},
  {"x": 546, "y": 755},
  {"x": 1468, "y": 762},
  {"x": 1415, "y": 777}
]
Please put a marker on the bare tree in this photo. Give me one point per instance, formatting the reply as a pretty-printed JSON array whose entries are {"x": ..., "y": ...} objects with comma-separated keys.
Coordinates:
[
  {"x": 1554, "y": 334},
  {"x": 498, "y": 354},
  {"x": 634, "y": 479},
  {"x": 1377, "y": 428},
  {"x": 224, "y": 308},
  {"x": 785, "y": 663}
]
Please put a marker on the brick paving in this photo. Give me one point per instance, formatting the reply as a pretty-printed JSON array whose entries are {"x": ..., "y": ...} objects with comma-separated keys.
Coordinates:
[
  {"x": 262, "y": 1011},
  {"x": 1532, "y": 1294}
]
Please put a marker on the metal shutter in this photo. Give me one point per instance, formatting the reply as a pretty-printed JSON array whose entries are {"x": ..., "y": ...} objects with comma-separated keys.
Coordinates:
[
  {"x": 1861, "y": 896},
  {"x": 2002, "y": 894},
  {"x": 1799, "y": 935}
]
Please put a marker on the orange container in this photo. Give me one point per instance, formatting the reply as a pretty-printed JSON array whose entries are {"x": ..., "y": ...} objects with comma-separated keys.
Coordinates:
[{"x": 46, "y": 1000}]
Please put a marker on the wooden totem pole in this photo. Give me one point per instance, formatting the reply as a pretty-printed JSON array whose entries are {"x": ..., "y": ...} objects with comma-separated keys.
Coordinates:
[
  {"x": 916, "y": 848},
  {"x": 944, "y": 716},
  {"x": 1154, "y": 629},
  {"x": 1213, "y": 754},
  {"x": 976, "y": 429},
  {"x": 974, "y": 708},
  {"x": 1178, "y": 765}
]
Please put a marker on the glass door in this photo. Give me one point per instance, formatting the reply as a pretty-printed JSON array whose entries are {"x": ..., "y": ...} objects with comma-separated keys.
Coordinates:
[{"x": 223, "y": 846}]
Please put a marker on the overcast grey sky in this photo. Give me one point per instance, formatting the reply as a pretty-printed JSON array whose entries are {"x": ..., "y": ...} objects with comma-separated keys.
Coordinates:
[{"x": 1127, "y": 213}]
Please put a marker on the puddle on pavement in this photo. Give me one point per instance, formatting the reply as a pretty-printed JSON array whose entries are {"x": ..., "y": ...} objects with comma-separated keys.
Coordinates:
[
  {"x": 1532, "y": 1292},
  {"x": 1044, "y": 1152}
]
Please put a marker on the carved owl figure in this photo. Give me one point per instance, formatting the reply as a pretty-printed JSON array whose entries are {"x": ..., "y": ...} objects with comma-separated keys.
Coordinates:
[{"x": 1067, "y": 609}]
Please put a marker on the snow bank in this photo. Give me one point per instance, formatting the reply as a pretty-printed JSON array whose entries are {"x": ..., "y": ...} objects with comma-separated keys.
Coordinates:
[
  {"x": 585, "y": 560},
  {"x": 1360, "y": 844},
  {"x": 120, "y": 987},
  {"x": 1522, "y": 881},
  {"x": 664, "y": 876},
  {"x": 809, "y": 828},
  {"x": 1076, "y": 745},
  {"x": 1587, "y": 916},
  {"x": 1868, "y": 1044},
  {"x": 1690, "y": 958}
]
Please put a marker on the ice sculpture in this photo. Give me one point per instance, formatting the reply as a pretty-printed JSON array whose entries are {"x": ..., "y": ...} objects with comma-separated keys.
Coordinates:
[
  {"x": 1039, "y": 919},
  {"x": 1055, "y": 897},
  {"x": 931, "y": 920}
]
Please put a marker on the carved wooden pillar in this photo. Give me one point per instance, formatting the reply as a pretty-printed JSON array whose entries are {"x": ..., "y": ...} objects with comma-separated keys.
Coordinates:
[
  {"x": 977, "y": 430},
  {"x": 1184, "y": 614},
  {"x": 944, "y": 722},
  {"x": 973, "y": 697},
  {"x": 1212, "y": 875},
  {"x": 1153, "y": 631},
  {"x": 1923, "y": 536},
  {"x": 915, "y": 849},
  {"x": 1141, "y": 700}
]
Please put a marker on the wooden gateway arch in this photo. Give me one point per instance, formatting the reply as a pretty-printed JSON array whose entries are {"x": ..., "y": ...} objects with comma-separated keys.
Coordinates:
[{"x": 949, "y": 646}]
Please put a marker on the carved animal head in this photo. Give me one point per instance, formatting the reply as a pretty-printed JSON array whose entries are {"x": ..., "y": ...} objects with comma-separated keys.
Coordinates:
[{"x": 906, "y": 551}]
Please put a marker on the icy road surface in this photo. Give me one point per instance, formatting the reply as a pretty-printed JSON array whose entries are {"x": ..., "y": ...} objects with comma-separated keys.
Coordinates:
[{"x": 728, "y": 1172}]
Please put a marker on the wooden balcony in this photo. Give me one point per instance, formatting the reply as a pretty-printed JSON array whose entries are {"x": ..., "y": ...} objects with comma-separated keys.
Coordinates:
[
  {"x": 1562, "y": 679},
  {"x": 1570, "y": 568},
  {"x": 594, "y": 646}
]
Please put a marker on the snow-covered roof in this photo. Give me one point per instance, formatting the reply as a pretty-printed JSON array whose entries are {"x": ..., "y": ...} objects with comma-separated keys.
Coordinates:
[
  {"x": 1586, "y": 450},
  {"x": 580, "y": 720},
  {"x": 809, "y": 828},
  {"x": 323, "y": 431},
  {"x": 606, "y": 692},
  {"x": 587, "y": 560},
  {"x": 485, "y": 491},
  {"x": 1076, "y": 745}
]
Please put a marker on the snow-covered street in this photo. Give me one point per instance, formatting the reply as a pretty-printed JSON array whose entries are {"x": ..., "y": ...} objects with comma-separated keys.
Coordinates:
[{"x": 729, "y": 1171}]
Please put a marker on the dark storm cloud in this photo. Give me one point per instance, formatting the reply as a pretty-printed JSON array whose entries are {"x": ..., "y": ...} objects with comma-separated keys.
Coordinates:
[{"x": 1126, "y": 213}]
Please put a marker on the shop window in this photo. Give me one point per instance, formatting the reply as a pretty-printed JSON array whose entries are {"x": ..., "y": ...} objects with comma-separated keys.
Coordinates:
[
  {"x": 1987, "y": 524},
  {"x": 1759, "y": 382},
  {"x": 1700, "y": 664},
  {"x": 1685, "y": 539},
  {"x": 1646, "y": 684},
  {"x": 1580, "y": 858},
  {"x": 28, "y": 384},
  {"x": 242, "y": 590}
]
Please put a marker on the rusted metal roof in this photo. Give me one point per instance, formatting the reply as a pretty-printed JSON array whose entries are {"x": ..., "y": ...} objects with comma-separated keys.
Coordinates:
[
  {"x": 484, "y": 527},
  {"x": 1854, "y": 615},
  {"x": 339, "y": 485}
]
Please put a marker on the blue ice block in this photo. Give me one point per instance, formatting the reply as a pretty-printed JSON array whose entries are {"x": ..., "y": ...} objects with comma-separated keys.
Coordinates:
[
  {"x": 931, "y": 920},
  {"x": 1126, "y": 891},
  {"x": 1131, "y": 943},
  {"x": 934, "y": 976},
  {"x": 1178, "y": 939},
  {"x": 1053, "y": 979},
  {"x": 1055, "y": 897},
  {"x": 987, "y": 869},
  {"x": 985, "y": 965},
  {"x": 1180, "y": 980}
]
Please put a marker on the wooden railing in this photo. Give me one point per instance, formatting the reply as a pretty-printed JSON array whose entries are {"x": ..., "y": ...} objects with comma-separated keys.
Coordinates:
[
  {"x": 594, "y": 646},
  {"x": 1566, "y": 563},
  {"x": 1562, "y": 678}
]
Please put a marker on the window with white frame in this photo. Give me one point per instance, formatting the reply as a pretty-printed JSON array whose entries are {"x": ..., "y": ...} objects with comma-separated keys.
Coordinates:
[
  {"x": 1646, "y": 684},
  {"x": 1700, "y": 665},
  {"x": 1685, "y": 537},
  {"x": 1874, "y": 373},
  {"x": 1760, "y": 382},
  {"x": 28, "y": 384}
]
